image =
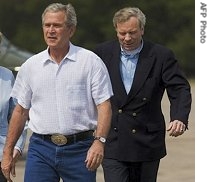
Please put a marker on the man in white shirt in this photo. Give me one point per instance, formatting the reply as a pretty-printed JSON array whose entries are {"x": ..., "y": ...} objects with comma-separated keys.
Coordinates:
[{"x": 65, "y": 91}]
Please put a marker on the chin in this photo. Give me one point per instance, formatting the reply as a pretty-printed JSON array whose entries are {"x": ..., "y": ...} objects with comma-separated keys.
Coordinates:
[
  {"x": 50, "y": 44},
  {"x": 128, "y": 48}
]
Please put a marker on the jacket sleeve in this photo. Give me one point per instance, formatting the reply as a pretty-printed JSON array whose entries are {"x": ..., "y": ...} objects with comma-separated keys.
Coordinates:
[{"x": 178, "y": 89}]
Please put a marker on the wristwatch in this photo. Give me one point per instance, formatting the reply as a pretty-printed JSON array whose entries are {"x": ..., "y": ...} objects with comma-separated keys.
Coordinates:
[{"x": 101, "y": 139}]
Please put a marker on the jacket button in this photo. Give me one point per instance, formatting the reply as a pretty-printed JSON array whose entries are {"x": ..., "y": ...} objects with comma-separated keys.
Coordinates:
[
  {"x": 115, "y": 129},
  {"x": 133, "y": 131},
  {"x": 134, "y": 114},
  {"x": 144, "y": 99},
  {"x": 120, "y": 111}
]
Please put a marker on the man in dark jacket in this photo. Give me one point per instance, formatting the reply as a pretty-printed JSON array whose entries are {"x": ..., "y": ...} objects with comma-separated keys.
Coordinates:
[{"x": 140, "y": 72}]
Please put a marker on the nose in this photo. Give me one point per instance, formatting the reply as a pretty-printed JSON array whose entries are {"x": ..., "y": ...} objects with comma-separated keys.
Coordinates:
[
  {"x": 51, "y": 28},
  {"x": 127, "y": 36}
]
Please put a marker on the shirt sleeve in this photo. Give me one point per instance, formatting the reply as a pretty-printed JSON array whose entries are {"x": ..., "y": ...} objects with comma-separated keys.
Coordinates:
[
  {"x": 21, "y": 89},
  {"x": 101, "y": 84}
]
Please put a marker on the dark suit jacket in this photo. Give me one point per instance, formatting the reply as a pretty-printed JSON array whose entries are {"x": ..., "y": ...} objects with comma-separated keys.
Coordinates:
[{"x": 138, "y": 127}]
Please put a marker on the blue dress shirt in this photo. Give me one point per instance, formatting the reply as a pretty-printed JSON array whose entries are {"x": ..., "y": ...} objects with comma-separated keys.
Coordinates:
[
  {"x": 128, "y": 66},
  {"x": 7, "y": 105}
]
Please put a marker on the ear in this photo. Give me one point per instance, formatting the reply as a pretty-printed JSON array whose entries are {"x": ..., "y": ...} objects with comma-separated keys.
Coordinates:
[
  {"x": 142, "y": 30},
  {"x": 72, "y": 31}
]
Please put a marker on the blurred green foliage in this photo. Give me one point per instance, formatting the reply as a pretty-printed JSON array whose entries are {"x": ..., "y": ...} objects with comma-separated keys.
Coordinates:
[{"x": 171, "y": 23}]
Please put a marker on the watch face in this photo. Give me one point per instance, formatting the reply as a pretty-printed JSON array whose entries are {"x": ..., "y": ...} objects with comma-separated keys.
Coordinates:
[{"x": 102, "y": 139}]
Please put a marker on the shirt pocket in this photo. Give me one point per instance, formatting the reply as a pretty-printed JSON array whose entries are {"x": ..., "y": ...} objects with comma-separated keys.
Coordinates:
[{"x": 77, "y": 96}]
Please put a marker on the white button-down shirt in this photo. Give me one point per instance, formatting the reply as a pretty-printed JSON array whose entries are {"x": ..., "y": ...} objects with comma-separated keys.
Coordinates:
[{"x": 62, "y": 98}]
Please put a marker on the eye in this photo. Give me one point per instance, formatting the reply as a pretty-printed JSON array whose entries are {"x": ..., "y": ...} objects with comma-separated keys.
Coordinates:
[
  {"x": 46, "y": 25},
  {"x": 56, "y": 25},
  {"x": 132, "y": 33},
  {"x": 122, "y": 33}
]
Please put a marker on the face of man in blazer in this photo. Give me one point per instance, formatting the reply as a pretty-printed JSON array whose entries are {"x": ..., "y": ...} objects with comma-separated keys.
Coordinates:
[{"x": 129, "y": 34}]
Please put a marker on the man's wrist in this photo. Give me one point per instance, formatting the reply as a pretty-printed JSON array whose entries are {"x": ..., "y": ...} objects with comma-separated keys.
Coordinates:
[{"x": 100, "y": 138}]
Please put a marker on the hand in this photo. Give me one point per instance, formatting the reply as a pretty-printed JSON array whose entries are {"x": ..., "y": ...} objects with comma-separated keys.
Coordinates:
[
  {"x": 95, "y": 155},
  {"x": 16, "y": 156},
  {"x": 8, "y": 164},
  {"x": 176, "y": 128}
]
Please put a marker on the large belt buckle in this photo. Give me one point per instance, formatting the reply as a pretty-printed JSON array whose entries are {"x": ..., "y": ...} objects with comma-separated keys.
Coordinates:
[{"x": 59, "y": 139}]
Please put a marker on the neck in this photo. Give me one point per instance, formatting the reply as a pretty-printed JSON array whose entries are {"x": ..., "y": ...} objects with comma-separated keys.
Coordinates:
[
  {"x": 58, "y": 54},
  {"x": 133, "y": 52}
]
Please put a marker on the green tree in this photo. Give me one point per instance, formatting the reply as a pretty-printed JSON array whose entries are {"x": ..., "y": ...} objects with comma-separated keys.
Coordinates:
[{"x": 170, "y": 23}]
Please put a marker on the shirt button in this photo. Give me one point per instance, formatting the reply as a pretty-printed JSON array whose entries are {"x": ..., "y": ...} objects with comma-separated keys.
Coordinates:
[
  {"x": 120, "y": 111},
  {"x": 133, "y": 131},
  {"x": 134, "y": 114}
]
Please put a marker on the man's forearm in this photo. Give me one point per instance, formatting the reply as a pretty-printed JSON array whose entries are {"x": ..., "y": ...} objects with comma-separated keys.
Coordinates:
[
  {"x": 104, "y": 119},
  {"x": 16, "y": 126}
]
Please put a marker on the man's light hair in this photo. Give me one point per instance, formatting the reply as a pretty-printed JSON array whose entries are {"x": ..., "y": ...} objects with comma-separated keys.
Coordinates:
[{"x": 125, "y": 14}]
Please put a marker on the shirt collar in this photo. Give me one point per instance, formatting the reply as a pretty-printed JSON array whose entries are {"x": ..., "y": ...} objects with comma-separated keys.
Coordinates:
[
  {"x": 69, "y": 56},
  {"x": 133, "y": 52}
]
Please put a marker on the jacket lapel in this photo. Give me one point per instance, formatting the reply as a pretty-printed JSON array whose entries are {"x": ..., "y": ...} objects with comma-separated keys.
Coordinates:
[
  {"x": 143, "y": 68},
  {"x": 114, "y": 70}
]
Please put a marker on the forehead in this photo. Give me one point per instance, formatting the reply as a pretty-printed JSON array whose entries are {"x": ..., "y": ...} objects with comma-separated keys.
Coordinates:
[
  {"x": 54, "y": 17},
  {"x": 131, "y": 23}
]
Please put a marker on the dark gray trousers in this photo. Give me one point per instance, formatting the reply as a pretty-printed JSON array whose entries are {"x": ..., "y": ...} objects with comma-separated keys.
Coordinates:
[{"x": 115, "y": 171}]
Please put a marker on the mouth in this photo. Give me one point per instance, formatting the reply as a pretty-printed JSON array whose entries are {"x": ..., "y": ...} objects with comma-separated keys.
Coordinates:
[
  {"x": 128, "y": 44},
  {"x": 51, "y": 38}
]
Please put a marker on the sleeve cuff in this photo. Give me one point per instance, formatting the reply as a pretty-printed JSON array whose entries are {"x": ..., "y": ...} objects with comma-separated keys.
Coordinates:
[{"x": 19, "y": 149}]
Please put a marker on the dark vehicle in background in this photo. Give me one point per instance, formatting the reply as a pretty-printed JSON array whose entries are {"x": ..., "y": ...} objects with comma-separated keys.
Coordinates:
[{"x": 11, "y": 56}]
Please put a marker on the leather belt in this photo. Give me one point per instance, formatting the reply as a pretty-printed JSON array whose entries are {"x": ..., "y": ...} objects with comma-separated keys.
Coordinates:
[{"x": 59, "y": 139}]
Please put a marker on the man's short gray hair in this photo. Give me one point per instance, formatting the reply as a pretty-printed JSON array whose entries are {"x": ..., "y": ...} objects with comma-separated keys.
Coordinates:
[{"x": 71, "y": 18}]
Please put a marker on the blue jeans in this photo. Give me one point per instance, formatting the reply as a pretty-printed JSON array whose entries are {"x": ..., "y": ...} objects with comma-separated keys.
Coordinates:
[{"x": 47, "y": 162}]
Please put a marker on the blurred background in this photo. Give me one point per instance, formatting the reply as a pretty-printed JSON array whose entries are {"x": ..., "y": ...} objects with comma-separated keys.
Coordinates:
[{"x": 171, "y": 23}]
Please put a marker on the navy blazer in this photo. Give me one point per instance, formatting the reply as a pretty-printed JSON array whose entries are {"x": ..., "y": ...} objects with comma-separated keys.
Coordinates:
[{"x": 138, "y": 127}]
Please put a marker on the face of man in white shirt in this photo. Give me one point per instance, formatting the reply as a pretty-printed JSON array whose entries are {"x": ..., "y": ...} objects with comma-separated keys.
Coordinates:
[{"x": 56, "y": 32}]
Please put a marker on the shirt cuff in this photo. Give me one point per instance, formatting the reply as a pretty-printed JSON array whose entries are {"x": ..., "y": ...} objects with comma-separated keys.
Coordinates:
[{"x": 19, "y": 149}]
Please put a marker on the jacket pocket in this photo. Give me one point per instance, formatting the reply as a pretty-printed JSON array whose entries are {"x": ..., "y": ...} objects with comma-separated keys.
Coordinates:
[{"x": 154, "y": 127}]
